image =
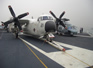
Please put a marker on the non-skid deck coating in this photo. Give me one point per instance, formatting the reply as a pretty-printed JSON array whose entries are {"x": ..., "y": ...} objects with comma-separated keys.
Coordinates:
[
  {"x": 83, "y": 42},
  {"x": 15, "y": 54}
]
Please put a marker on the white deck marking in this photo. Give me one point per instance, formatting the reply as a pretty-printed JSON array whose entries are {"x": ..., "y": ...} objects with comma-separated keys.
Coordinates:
[
  {"x": 81, "y": 53},
  {"x": 66, "y": 60}
]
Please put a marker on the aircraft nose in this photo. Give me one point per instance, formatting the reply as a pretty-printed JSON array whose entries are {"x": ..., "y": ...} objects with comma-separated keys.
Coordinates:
[{"x": 50, "y": 26}]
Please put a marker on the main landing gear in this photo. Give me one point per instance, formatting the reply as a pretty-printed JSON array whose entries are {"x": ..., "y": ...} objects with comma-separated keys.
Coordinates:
[
  {"x": 15, "y": 31},
  {"x": 16, "y": 35}
]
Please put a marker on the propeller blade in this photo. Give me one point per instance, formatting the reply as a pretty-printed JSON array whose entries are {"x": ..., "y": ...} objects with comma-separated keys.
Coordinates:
[
  {"x": 2, "y": 23},
  {"x": 11, "y": 11},
  {"x": 53, "y": 14},
  {"x": 18, "y": 24},
  {"x": 6, "y": 23},
  {"x": 61, "y": 23},
  {"x": 65, "y": 19},
  {"x": 23, "y": 15},
  {"x": 62, "y": 15}
]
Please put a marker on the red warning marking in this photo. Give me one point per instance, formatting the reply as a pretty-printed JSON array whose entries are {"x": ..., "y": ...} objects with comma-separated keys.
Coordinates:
[
  {"x": 2, "y": 24},
  {"x": 63, "y": 49}
]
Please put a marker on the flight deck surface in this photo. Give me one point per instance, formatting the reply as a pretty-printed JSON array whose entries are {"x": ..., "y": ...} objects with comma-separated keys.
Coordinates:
[{"x": 35, "y": 53}]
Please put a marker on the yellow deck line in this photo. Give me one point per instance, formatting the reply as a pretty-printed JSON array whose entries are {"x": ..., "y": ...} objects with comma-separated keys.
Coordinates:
[
  {"x": 34, "y": 54},
  {"x": 79, "y": 60},
  {"x": 73, "y": 57}
]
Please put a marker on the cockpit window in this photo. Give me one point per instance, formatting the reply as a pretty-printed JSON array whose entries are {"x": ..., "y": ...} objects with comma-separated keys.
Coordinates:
[
  {"x": 50, "y": 18},
  {"x": 47, "y": 18}
]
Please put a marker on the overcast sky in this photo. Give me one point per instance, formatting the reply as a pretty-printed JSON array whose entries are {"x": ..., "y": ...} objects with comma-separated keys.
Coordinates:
[{"x": 80, "y": 12}]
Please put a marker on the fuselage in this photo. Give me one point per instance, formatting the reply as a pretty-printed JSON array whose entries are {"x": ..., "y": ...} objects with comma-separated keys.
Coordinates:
[{"x": 40, "y": 27}]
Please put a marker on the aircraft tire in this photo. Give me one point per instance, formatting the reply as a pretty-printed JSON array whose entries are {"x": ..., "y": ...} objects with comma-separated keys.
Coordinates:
[
  {"x": 71, "y": 35},
  {"x": 16, "y": 35},
  {"x": 49, "y": 39}
]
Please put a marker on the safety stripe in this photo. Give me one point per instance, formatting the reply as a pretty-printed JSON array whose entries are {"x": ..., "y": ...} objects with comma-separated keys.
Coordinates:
[{"x": 34, "y": 54}]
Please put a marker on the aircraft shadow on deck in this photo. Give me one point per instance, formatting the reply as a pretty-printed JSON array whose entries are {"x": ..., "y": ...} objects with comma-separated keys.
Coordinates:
[
  {"x": 41, "y": 44},
  {"x": 82, "y": 42}
]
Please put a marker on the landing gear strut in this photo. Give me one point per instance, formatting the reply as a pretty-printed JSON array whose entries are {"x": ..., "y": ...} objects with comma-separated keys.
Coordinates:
[
  {"x": 16, "y": 34},
  {"x": 49, "y": 37},
  {"x": 15, "y": 31}
]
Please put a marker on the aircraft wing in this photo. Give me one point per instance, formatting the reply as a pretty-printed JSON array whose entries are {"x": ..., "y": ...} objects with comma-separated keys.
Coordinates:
[{"x": 23, "y": 22}]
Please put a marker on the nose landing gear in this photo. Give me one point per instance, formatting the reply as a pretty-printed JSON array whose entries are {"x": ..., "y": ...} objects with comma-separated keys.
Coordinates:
[{"x": 49, "y": 37}]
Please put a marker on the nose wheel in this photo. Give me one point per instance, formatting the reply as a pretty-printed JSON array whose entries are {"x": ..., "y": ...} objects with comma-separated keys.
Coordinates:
[{"x": 49, "y": 39}]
